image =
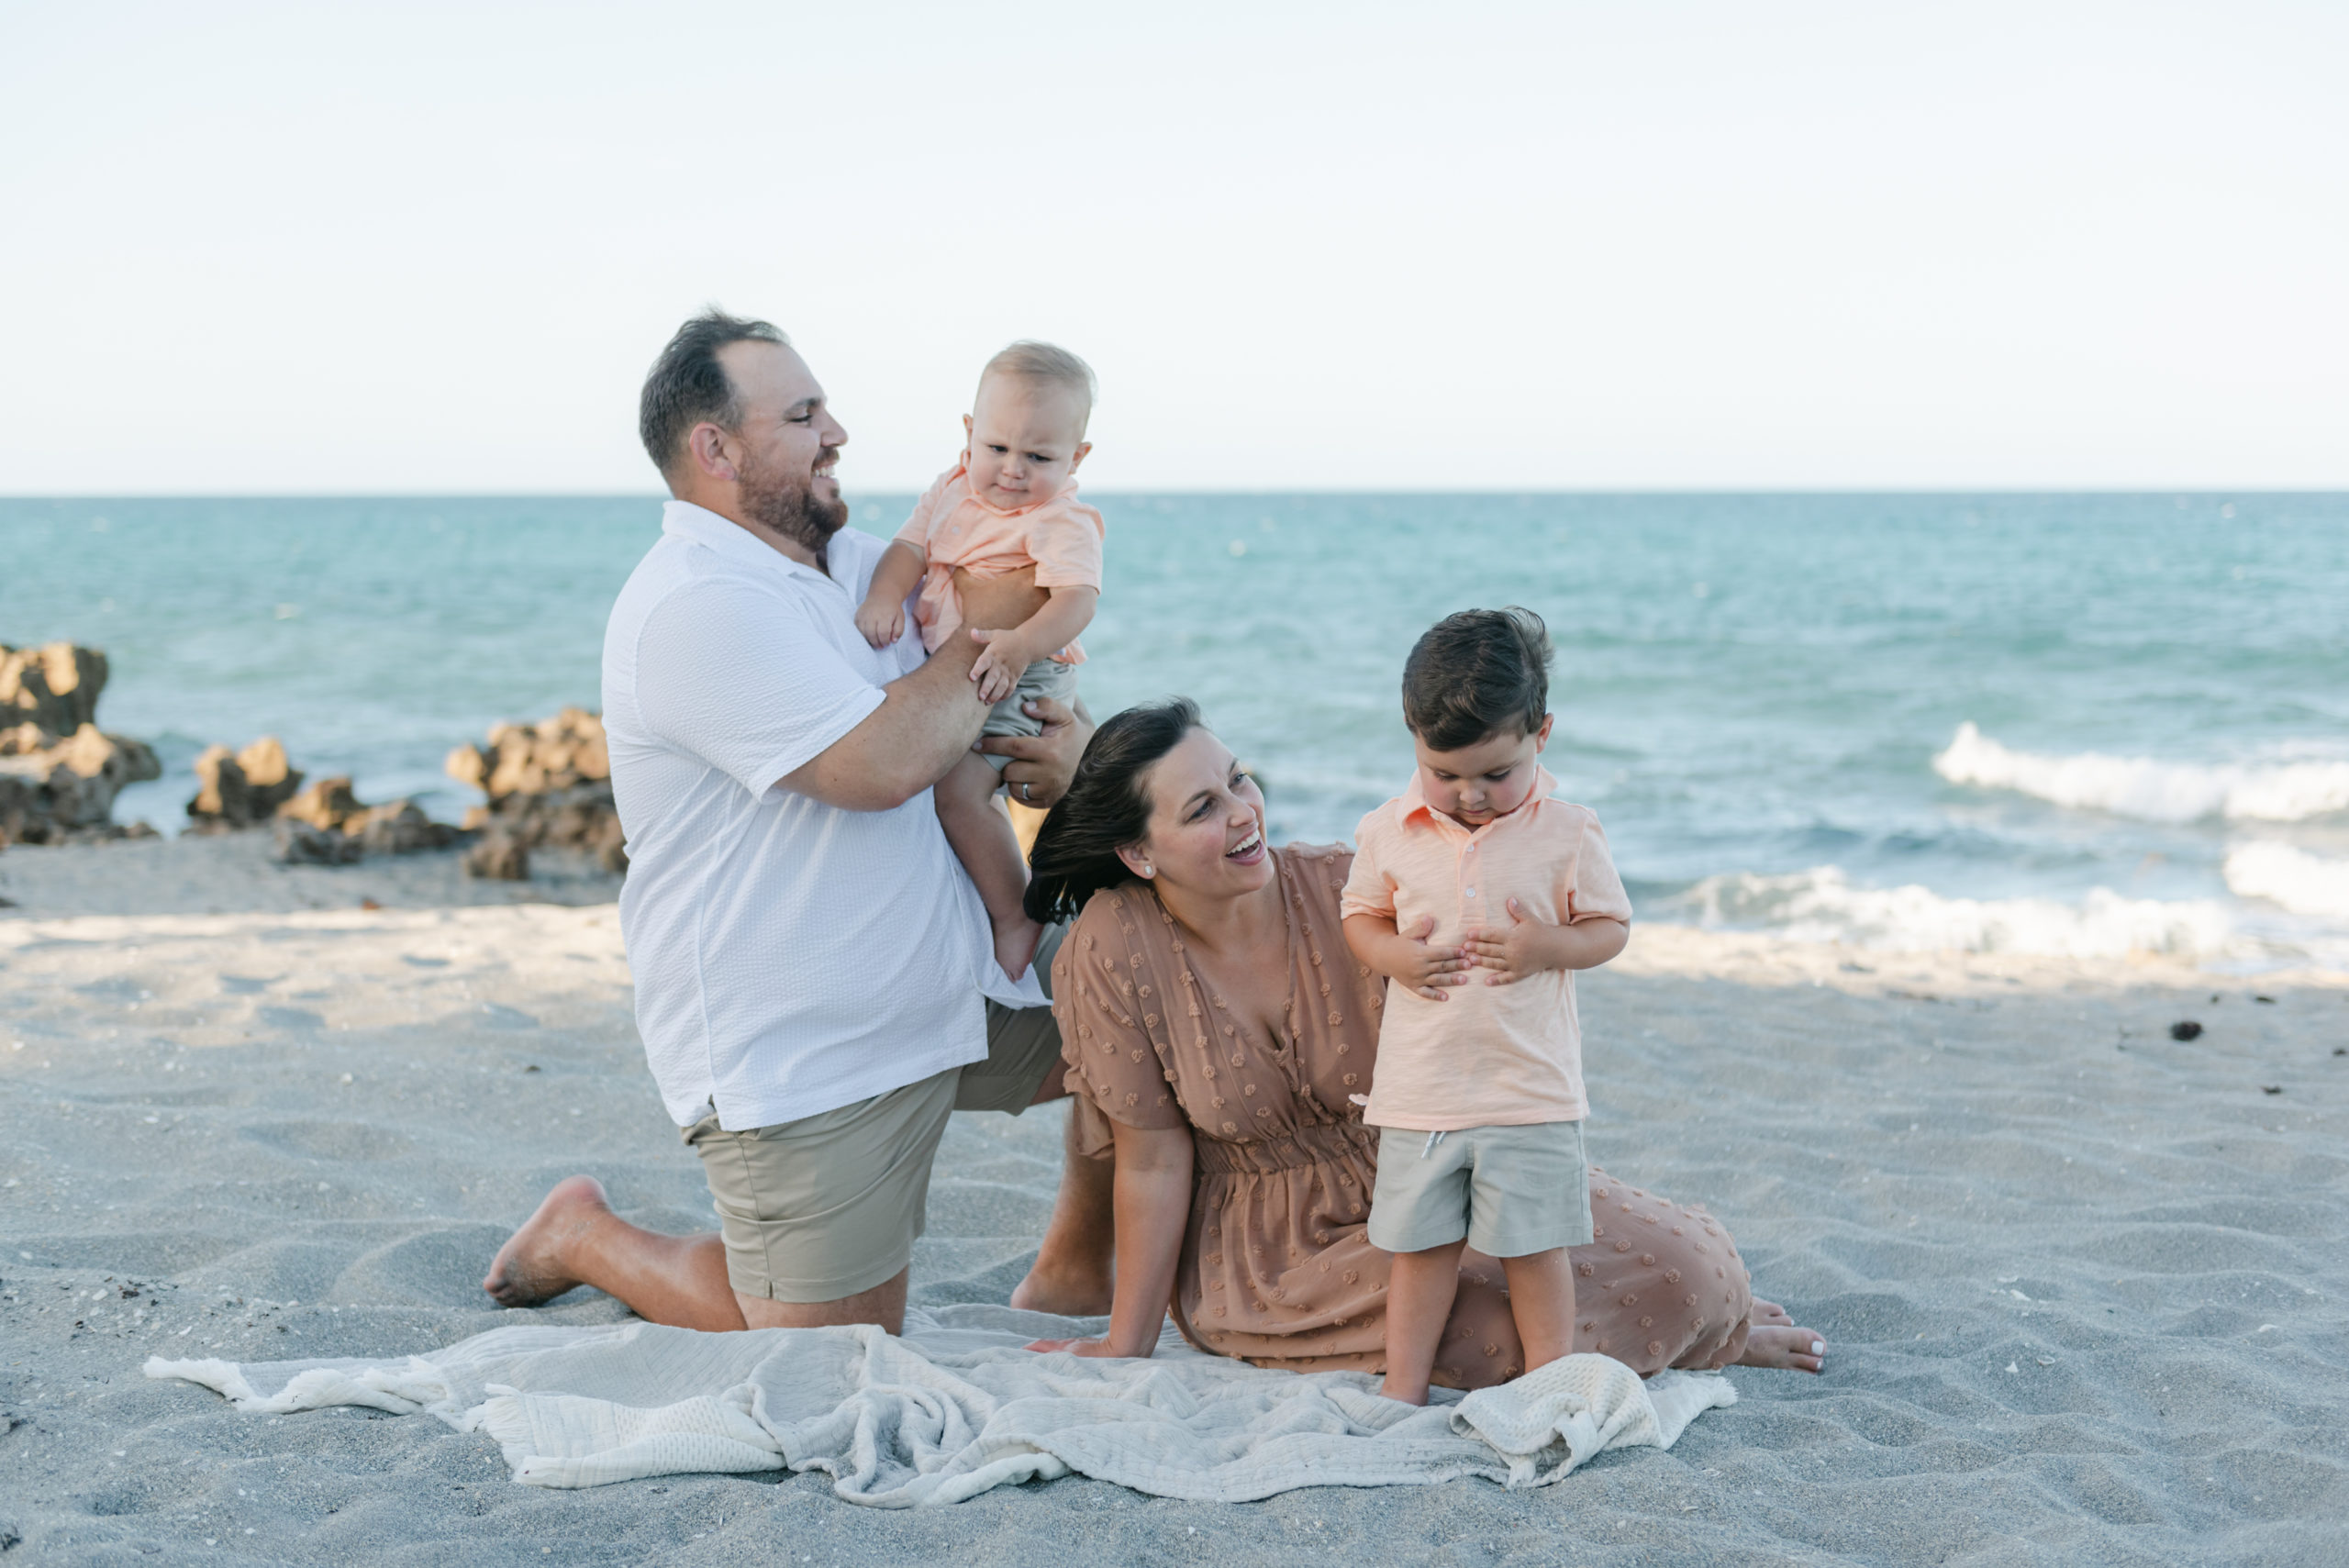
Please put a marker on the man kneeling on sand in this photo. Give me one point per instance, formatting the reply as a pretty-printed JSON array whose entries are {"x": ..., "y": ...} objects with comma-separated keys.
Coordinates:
[{"x": 815, "y": 982}]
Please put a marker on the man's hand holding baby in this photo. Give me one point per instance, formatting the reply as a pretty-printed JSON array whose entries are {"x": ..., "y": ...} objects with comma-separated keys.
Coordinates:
[{"x": 1524, "y": 947}]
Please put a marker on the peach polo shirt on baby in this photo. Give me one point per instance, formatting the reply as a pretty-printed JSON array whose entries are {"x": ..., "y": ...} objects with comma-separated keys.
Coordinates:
[
  {"x": 1059, "y": 537},
  {"x": 1486, "y": 1055}
]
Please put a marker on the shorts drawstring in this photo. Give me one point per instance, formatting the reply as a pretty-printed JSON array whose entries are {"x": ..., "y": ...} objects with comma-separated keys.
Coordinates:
[{"x": 1428, "y": 1147}]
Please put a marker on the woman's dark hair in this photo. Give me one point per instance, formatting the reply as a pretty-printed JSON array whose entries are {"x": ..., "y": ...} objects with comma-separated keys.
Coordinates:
[
  {"x": 1076, "y": 853},
  {"x": 1475, "y": 673}
]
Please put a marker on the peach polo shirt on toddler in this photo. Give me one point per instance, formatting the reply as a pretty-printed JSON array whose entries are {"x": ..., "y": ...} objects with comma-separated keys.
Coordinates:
[
  {"x": 1487, "y": 1055},
  {"x": 1059, "y": 537}
]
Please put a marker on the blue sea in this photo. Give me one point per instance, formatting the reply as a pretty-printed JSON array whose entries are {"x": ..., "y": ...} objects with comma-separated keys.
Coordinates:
[{"x": 2092, "y": 724}]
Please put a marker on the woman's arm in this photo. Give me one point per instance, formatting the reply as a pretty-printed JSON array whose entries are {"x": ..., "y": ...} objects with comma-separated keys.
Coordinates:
[{"x": 1153, "y": 1209}]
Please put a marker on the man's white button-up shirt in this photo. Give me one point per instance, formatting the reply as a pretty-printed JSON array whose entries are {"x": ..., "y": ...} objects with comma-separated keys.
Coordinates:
[{"x": 790, "y": 957}]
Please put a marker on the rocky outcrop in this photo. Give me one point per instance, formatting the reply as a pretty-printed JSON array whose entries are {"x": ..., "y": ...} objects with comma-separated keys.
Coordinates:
[
  {"x": 58, "y": 772},
  {"x": 550, "y": 786},
  {"x": 242, "y": 789},
  {"x": 325, "y": 824},
  {"x": 54, "y": 687},
  {"x": 61, "y": 792}
]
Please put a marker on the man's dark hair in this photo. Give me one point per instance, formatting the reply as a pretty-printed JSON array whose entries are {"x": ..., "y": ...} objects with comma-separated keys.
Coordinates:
[
  {"x": 688, "y": 385},
  {"x": 1475, "y": 673}
]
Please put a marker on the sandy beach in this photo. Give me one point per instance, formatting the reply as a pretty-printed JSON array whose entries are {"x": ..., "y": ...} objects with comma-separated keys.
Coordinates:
[{"x": 2083, "y": 1282}]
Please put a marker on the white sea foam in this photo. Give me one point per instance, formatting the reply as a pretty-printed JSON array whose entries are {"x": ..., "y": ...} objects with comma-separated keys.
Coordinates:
[
  {"x": 2147, "y": 789},
  {"x": 1821, "y": 904},
  {"x": 2294, "y": 879}
]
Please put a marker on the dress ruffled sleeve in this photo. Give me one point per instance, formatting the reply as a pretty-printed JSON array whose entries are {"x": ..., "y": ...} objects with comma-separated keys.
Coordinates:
[{"x": 1107, "y": 998}]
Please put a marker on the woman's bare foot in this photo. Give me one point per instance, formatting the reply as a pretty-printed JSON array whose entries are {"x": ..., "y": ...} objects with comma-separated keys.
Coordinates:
[
  {"x": 530, "y": 1267},
  {"x": 1769, "y": 1315},
  {"x": 1064, "y": 1292}
]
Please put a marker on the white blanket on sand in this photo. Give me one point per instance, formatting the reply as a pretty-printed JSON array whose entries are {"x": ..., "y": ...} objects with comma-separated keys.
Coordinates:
[{"x": 954, "y": 1406}]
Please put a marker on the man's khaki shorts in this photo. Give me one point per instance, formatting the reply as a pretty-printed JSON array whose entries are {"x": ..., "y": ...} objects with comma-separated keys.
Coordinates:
[
  {"x": 1510, "y": 1190},
  {"x": 821, "y": 1209}
]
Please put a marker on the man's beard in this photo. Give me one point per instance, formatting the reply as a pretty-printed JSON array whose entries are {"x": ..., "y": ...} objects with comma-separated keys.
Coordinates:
[{"x": 788, "y": 506}]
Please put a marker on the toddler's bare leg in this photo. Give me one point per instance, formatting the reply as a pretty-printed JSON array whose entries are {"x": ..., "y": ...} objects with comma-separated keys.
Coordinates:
[
  {"x": 1541, "y": 1299},
  {"x": 989, "y": 851},
  {"x": 1418, "y": 1304}
]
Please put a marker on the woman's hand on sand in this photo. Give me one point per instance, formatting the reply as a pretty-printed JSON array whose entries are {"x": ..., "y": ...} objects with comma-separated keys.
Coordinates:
[{"x": 1097, "y": 1349}]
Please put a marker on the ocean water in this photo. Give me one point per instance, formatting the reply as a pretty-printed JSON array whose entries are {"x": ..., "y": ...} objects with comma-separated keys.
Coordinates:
[{"x": 2085, "y": 723}]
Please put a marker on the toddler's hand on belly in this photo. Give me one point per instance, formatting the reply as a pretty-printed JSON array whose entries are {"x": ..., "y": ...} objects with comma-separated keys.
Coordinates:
[
  {"x": 1516, "y": 952},
  {"x": 1430, "y": 970}
]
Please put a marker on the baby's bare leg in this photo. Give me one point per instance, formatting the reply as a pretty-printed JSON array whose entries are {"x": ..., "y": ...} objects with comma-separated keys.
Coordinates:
[
  {"x": 1541, "y": 1300},
  {"x": 1418, "y": 1304},
  {"x": 989, "y": 851}
]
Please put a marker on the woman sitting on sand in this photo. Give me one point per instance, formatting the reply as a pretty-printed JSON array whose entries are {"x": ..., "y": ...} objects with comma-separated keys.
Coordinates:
[{"x": 1215, "y": 1026}]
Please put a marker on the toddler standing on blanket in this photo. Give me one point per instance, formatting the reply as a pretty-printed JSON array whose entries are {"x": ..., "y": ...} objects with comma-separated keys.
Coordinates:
[
  {"x": 1478, "y": 895},
  {"x": 1010, "y": 503}
]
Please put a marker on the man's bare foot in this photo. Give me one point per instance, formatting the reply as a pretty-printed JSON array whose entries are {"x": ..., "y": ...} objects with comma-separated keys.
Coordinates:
[
  {"x": 1063, "y": 1292},
  {"x": 1781, "y": 1344},
  {"x": 530, "y": 1267},
  {"x": 1015, "y": 944}
]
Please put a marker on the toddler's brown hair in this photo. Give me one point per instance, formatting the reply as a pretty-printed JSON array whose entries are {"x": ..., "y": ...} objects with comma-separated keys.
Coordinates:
[{"x": 1475, "y": 673}]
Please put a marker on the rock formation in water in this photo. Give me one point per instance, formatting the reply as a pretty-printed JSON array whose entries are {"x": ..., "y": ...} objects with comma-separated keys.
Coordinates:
[
  {"x": 59, "y": 773},
  {"x": 325, "y": 824},
  {"x": 242, "y": 789},
  {"x": 550, "y": 786},
  {"x": 54, "y": 687}
]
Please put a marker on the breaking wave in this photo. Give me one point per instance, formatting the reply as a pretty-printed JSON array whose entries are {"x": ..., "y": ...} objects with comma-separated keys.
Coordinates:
[
  {"x": 1821, "y": 904},
  {"x": 2148, "y": 790},
  {"x": 2292, "y": 879}
]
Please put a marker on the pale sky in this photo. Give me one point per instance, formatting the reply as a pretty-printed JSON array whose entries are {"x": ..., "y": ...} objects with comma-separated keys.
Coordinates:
[{"x": 424, "y": 248}]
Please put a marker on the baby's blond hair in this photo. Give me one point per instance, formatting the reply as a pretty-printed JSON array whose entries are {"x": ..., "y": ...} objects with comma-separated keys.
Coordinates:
[{"x": 1048, "y": 362}]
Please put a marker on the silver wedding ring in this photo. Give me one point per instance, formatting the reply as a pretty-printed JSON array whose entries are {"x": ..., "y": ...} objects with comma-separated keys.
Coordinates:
[{"x": 1023, "y": 792}]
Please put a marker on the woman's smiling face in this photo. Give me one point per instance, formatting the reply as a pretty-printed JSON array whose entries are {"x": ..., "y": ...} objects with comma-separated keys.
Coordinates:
[{"x": 1206, "y": 836}]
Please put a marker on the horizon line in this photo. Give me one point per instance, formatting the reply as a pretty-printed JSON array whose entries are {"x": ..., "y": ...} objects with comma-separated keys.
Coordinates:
[{"x": 1216, "y": 491}]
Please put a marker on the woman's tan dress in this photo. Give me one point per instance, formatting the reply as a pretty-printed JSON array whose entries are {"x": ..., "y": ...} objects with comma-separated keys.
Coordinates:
[{"x": 1275, "y": 1269}]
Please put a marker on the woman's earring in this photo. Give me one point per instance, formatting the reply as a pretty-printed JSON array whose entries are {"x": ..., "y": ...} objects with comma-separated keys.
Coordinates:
[{"x": 1148, "y": 870}]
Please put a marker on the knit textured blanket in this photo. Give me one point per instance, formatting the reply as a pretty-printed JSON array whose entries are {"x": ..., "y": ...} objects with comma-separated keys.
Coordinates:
[{"x": 954, "y": 1406}]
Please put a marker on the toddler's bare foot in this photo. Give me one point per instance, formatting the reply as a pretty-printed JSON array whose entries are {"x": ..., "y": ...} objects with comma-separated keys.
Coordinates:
[
  {"x": 1015, "y": 944},
  {"x": 1782, "y": 1345},
  {"x": 529, "y": 1268}
]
